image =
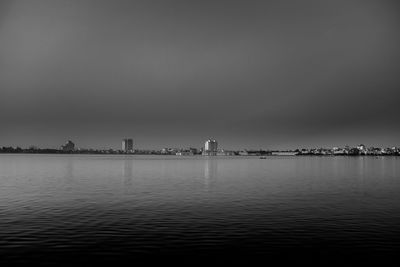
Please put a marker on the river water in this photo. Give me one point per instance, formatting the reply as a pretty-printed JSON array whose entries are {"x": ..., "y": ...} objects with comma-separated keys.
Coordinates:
[{"x": 54, "y": 208}]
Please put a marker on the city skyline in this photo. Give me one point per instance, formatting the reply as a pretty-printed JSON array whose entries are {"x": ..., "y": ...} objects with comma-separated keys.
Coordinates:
[
  {"x": 251, "y": 74},
  {"x": 200, "y": 144},
  {"x": 209, "y": 147}
]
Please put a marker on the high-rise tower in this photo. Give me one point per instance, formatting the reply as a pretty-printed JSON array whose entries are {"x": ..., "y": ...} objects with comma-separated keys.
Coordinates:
[
  {"x": 210, "y": 148},
  {"x": 127, "y": 145}
]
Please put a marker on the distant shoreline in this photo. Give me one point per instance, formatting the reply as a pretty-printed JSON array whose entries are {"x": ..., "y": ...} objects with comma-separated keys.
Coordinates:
[
  {"x": 69, "y": 148},
  {"x": 204, "y": 156}
]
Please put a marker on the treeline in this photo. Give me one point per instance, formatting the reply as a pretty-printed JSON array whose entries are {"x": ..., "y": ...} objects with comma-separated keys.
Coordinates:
[{"x": 47, "y": 151}]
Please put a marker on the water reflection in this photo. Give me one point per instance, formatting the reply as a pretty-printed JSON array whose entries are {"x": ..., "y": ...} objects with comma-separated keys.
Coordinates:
[
  {"x": 128, "y": 172},
  {"x": 210, "y": 172},
  {"x": 69, "y": 169}
]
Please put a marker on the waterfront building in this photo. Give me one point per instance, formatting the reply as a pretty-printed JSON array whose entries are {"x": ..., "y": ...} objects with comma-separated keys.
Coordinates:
[
  {"x": 68, "y": 147},
  {"x": 243, "y": 153},
  {"x": 362, "y": 149},
  {"x": 339, "y": 151},
  {"x": 170, "y": 151},
  {"x": 127, "y": 145},
  {"x": 210, "y": 148},
  {"x": 184, "y": 153},
  {"x": 194, "y": 151},
  {"x": 223, "y": 152}
]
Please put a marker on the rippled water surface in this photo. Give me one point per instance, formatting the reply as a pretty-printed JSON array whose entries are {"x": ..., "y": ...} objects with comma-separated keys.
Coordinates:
[{"x": 53, "y": 207}]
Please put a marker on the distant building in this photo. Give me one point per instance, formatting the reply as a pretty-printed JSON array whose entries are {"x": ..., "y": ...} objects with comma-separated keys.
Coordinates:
[
  {"x": 184, "y": 153},
  {"x": 339, "y": 151},
  {"x": 68, "y": 147},
  {"x": 243, "y": 153},
  {"x": 210, "y": 148},
  {"x": 170, "y": 151},
  {"x": 194, "y": 150},
  {"x": 362, "y": 149},
  {"x": 127, "y": 145},
  {"x": 223, "y": 152}
]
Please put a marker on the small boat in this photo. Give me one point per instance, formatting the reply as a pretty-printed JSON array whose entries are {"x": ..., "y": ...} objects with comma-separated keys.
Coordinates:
[{"x": 263, "y": 157}]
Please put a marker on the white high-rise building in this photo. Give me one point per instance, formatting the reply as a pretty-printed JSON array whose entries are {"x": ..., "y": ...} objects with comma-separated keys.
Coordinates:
[
  {"x": 210, "y": 148},
  {"x": 127, "y": 145}
]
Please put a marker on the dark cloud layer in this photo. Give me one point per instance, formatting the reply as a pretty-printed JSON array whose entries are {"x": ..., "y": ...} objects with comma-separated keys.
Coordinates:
[{"x": 173, "y": 73}]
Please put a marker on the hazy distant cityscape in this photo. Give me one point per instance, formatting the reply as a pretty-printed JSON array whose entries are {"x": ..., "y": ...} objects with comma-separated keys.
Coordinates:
[{"x": 210, "y": 148}]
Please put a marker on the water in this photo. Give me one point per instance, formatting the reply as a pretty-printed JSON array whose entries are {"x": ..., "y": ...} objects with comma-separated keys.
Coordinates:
[{"x": 55, "y": 208}]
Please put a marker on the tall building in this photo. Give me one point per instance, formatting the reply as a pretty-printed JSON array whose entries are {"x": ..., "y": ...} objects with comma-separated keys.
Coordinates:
[
  {"x": 210, "y": 148},
  {"x": 127, "y": 145},
  {"x": 69, "y": 146}
]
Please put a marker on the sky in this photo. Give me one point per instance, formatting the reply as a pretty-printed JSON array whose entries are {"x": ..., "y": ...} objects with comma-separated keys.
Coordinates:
[{"x": 173, "y": 73}]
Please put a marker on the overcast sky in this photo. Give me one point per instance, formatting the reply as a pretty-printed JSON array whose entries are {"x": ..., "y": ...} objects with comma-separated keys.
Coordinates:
[{"x": 251, "y": 74}]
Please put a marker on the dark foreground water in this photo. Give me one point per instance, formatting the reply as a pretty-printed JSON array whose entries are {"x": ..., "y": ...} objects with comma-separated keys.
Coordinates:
[{"x": 62, "y": 208}]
